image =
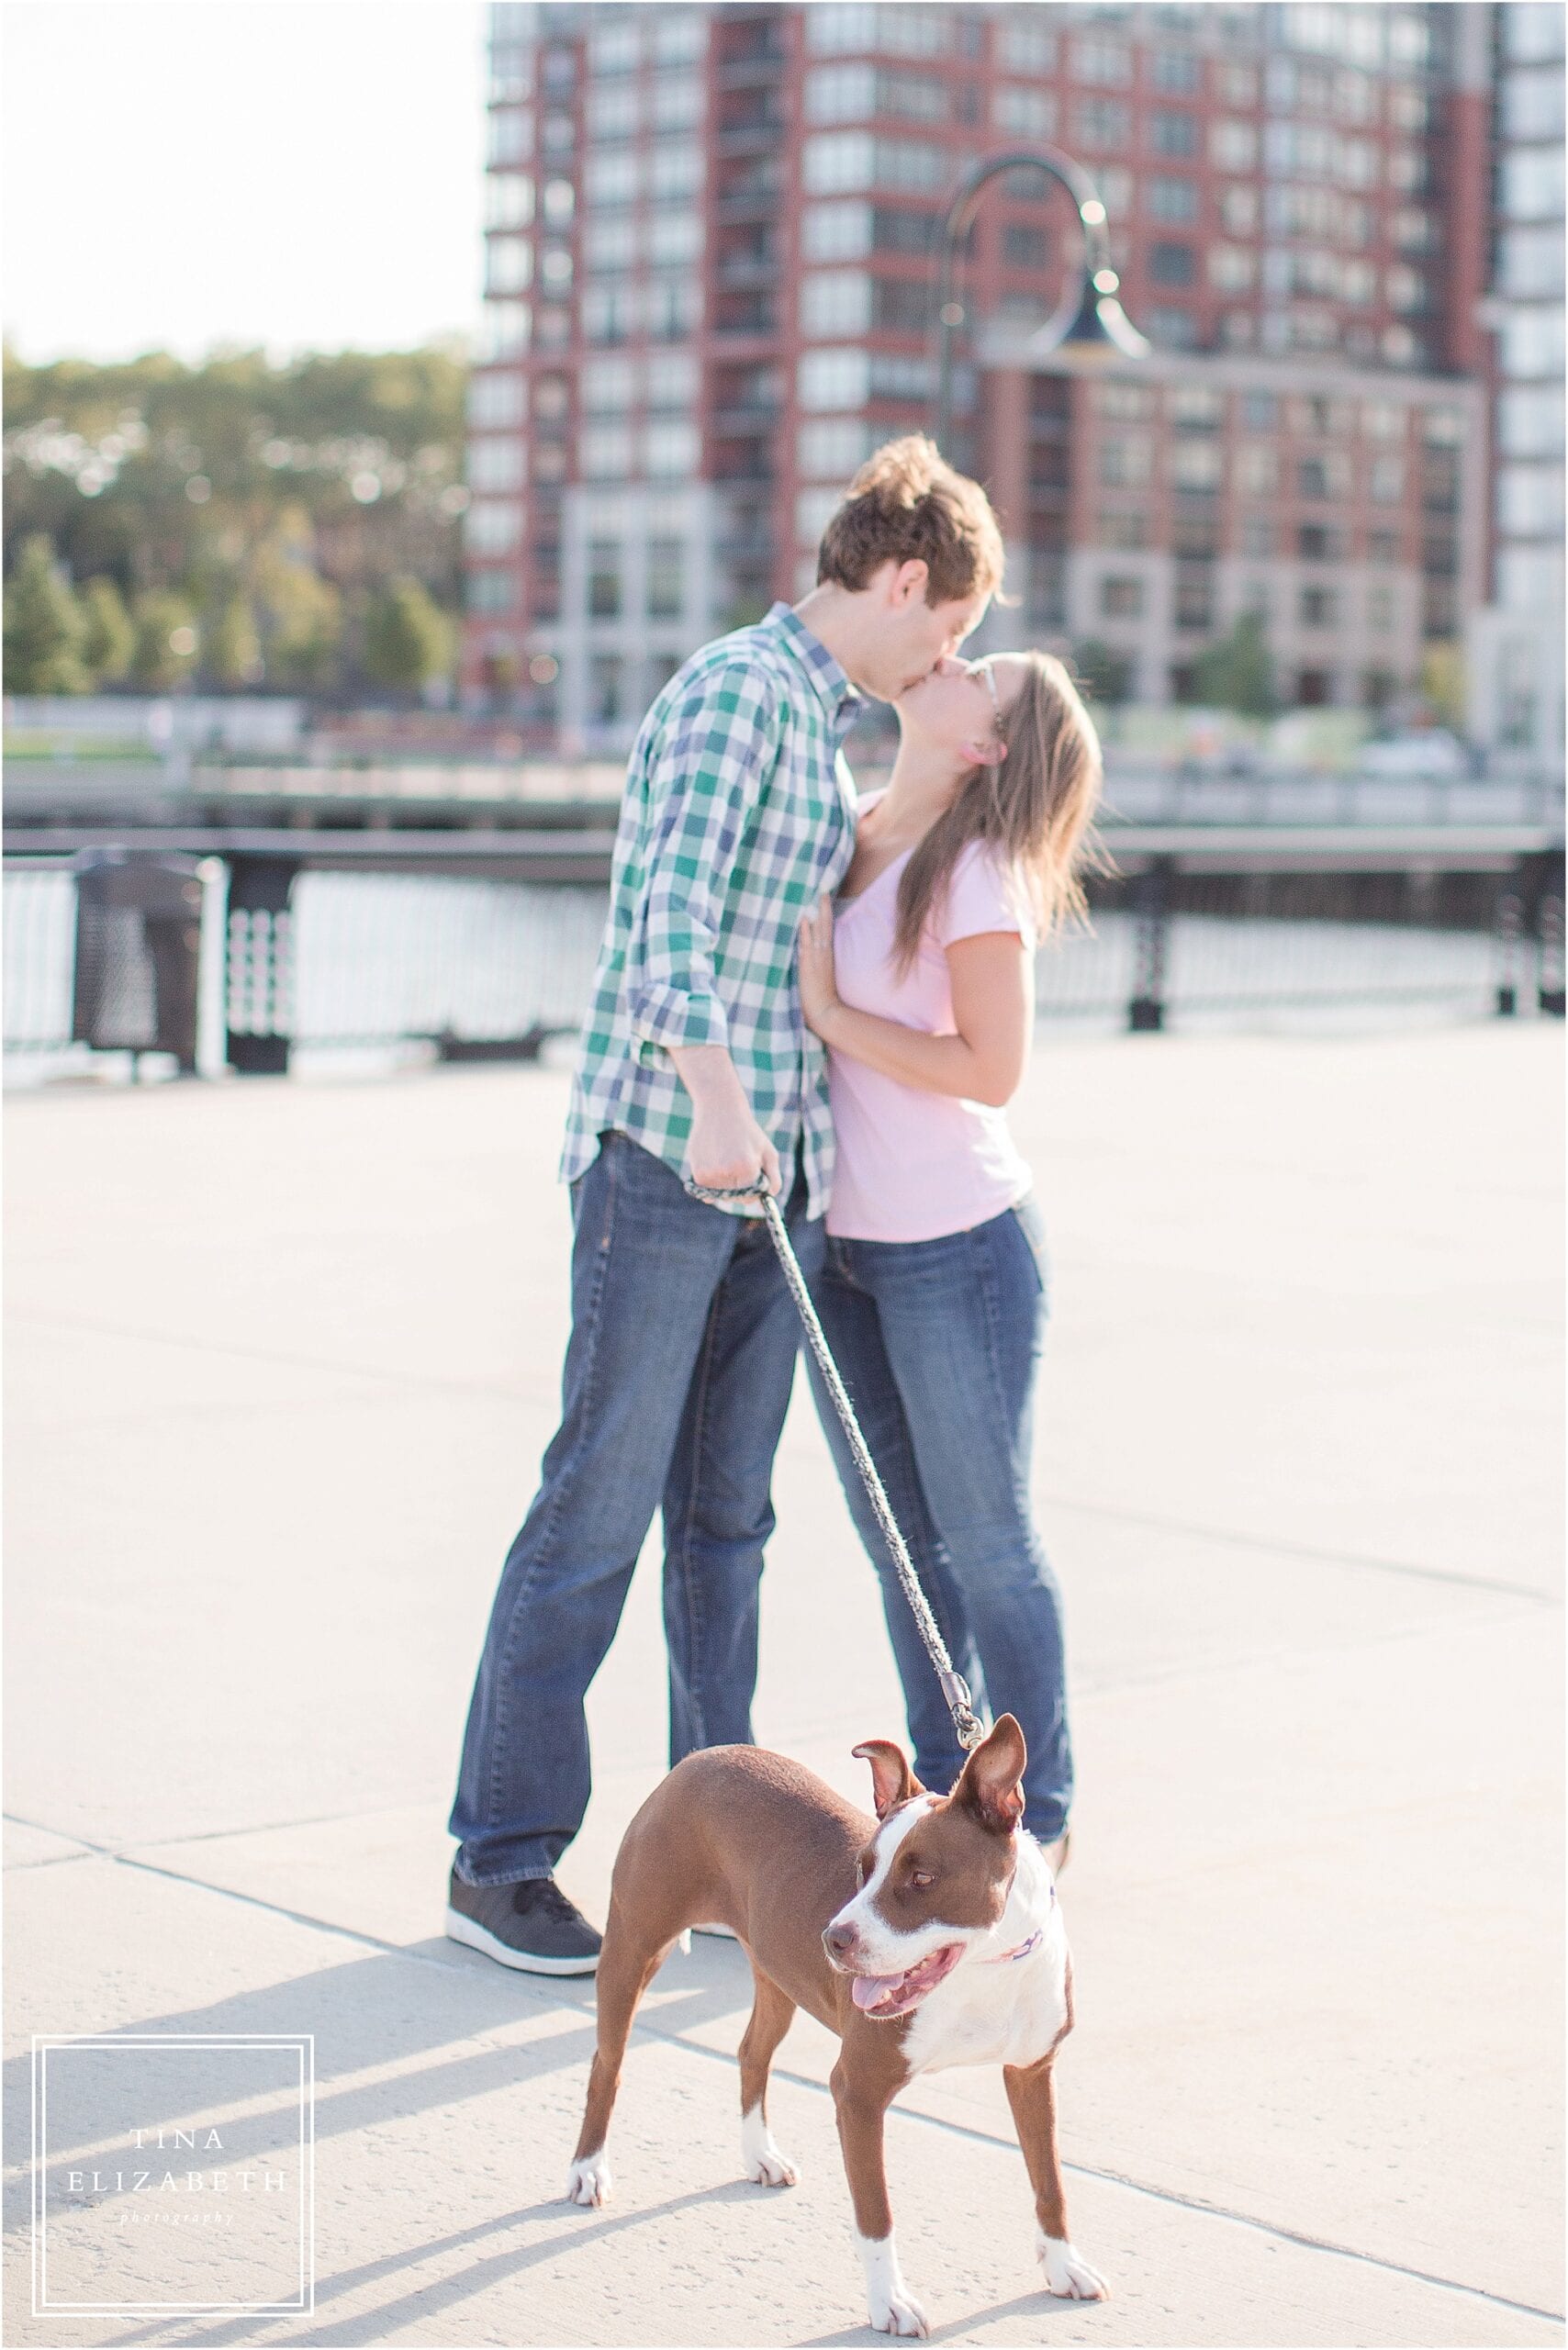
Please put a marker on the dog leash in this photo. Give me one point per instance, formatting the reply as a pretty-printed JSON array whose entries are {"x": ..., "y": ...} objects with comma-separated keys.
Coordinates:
[{"x": 955, "y": 1688}]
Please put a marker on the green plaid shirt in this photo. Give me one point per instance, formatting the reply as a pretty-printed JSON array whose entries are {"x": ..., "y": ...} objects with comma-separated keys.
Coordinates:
[{"x": 739, "y": 814}]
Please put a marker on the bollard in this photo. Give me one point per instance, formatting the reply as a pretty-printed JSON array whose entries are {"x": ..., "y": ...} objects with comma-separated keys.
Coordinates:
[
  {"x": 259, "y": 978},
  {"x": 1146, "y": 1013},
  {"x": 1549, "y": 985},
  {"x": 1508, "y": 927}
]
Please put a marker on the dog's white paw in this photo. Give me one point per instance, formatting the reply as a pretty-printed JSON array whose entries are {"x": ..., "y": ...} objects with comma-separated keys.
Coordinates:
[
  {"x": 1067, "y": 2275},
  {"x": 589, "y": 2181},
  {"x": 763, "y": 2162},
  {"x": 890, "y": 2308},
  {"x": 898, "y": 2314}
]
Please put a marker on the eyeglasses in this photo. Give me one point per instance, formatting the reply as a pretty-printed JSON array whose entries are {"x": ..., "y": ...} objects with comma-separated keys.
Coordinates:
[{"x": 985, "y": 670}]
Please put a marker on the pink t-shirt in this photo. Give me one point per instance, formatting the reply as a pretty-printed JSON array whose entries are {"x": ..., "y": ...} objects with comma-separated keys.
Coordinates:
[{"x": 912, "y": 1165}]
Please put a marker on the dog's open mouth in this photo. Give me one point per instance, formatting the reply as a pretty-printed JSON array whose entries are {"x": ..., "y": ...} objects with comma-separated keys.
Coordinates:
[{"x": 882, "y": 1997}]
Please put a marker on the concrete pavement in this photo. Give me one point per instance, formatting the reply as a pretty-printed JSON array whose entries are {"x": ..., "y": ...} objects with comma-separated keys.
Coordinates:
[{"x": 283, "y": 1358}]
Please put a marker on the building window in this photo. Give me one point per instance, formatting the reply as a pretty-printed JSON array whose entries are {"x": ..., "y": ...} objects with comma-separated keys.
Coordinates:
[
  {"x": 836, "y": 302},
  {"x": 496, "y": 465},
  {"x": 490, "y": 591},
  {"x": 1238, "y": 211},
  {"x": 560, "y": 202},
  {"x": 1380, "y": 607},
  {"x": 677, "y": 172},
  {"x": 1258, "y": 468},
  {"x": 1231, "y": 267},
  {"x": 831, "y": 448},
  {"x": 1172, "y": 264},
  {"x": 1172, "y": 330},
  {"x": 1194, "y": 597},
  {"x": 666, "y": 578},
  {"x": 1257, "y": 537},
  {"x": 1385, "y": 480},
  {"x": 1024, "y": 247},
  {"x": 833, "y": 379},
  {"x": 1174, "y": 133},
  {"x": 1317, "y": 608},
  {"x": 605, "y": 453},
  {"x": 609, "y": 386},
  {"x": 1196, "y": 465},
  {"x": 1124, "y": 400},
  {"x": 1121, "y": 598},
  {"x": 1024, "y": 114},
  {"x": 1101, "y": 123},
  {"x": 507, "y": 328},
  {"x": 496, "y": 401},
  {"x": 604, "y": 579},
  {"x": 1233, "y": 146},
  {"x": 605, "y": 675},
  {"x": 1383, "y": 549},
  {"x": 1169, "y": 198},
  {"x": 1315, "y": 543},
  {"x": 612, "y": 111},
  {"x": 1314, "y": 688},
  {"x": 670, "y": 451},
  {"x": 493, "y": 526},
  {"x": 611, "y": 243},
  {"x": 508, "y": 200},
  {"x": 1025, "y": 45},
  {"x": 1122, "y": 526},
  {"x": 672, "y": 379},
  {"x": 674, "y": 238},
  {"x": 835, "y": 231},
  {"x": 511, "y": 136},
  {"x": 1260, "y": 411},
  {"x": 1107, "y": 64},
  {"x": 1126, "y": 460},
  {"x": 1179, "y": 71}
]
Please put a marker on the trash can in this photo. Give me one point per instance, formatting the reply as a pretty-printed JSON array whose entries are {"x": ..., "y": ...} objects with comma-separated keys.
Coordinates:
[{"x": 137, "y": 953}]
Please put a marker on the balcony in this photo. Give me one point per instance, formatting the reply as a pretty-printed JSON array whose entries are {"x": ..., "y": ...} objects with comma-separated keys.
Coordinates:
[
  {"x": 745, "y": 320},
  {"x": 748, "y": 268},
  {"x": 751, "y": 420}
]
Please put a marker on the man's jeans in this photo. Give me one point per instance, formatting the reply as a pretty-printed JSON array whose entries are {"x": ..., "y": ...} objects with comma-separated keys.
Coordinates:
[
  {"x": 678, "y": 1377},
  {"x": 938, "y": 1342}
]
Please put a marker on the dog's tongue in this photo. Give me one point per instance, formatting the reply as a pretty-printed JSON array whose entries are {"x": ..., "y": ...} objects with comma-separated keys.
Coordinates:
[{"x": 870, "y": 1990}]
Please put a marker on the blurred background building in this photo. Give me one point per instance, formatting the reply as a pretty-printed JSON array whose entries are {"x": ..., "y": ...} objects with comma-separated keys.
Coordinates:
[
  {"x": 709, "y": 285},
  {"x": 1515, "y": 642}
]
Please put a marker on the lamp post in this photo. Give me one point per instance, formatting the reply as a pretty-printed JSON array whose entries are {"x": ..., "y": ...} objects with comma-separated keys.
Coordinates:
[{"x": 1090, "y": 318}]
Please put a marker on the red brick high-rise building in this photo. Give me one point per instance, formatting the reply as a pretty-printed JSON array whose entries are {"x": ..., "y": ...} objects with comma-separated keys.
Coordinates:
[{"x": 710, "y": 293}]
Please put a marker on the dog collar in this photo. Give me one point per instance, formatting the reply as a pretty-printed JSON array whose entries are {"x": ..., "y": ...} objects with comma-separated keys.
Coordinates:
[{"x": 1022, "y": 1951}]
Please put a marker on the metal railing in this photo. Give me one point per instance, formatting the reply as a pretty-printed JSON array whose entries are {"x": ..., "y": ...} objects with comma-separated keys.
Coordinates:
[{"x": 467, "y": 967}]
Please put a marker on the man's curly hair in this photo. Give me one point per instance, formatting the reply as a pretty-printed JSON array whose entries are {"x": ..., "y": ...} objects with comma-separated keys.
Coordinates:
[{"x": 907, "y": 505}]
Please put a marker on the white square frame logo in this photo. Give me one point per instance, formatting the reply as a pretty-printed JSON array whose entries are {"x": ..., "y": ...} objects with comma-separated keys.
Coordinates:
[{"x": 302, "y": 2044}]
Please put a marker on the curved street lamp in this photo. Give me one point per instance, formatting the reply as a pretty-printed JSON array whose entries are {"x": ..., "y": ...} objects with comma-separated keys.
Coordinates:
[{"x": 1090, "y": 320}]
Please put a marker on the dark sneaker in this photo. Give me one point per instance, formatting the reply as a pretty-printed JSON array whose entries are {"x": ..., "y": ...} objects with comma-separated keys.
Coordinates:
[{"x": 530, "y": 1926}]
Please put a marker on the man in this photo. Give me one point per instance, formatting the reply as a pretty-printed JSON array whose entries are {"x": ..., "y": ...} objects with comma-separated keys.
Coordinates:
[{"x": 695, "y": 1064}]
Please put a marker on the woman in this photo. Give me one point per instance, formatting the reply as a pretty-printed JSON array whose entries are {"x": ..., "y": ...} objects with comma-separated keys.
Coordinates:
[{"x": 934, "y": 1292}]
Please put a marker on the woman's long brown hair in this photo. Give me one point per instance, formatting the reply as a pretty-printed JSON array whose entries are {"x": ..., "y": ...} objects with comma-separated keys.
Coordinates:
[{"x": 1034, "y": 810}]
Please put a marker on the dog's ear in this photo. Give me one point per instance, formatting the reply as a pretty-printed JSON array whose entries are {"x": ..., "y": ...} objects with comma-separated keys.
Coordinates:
[
  {"x": 988, "y": 1785},
  {"x": 892, "y": 1781}
]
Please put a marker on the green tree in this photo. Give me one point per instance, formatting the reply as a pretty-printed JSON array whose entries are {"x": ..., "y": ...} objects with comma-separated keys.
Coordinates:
[
  {"x": 1237, "y": 672},
  {"x": 109, "y": 639},
  {"x": 302, "y": 622},
  {"x": 233, "y": 644},
  {"x": 45, "y": 627},
  {"x": 1103, "y": 674},
  {"x": 408, "y": 640},
  {"x": 1443, "y": 682},
  {"x": 165, "y": 639}
]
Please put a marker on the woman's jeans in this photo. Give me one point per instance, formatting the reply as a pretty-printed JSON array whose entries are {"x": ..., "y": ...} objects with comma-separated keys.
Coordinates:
[
  {"x": 678, "y": 1378},
  {"x": 938, "y": 1342}
]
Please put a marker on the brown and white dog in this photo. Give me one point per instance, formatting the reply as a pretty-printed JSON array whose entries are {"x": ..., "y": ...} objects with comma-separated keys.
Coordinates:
[{"x": 932, "y": 1937}]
